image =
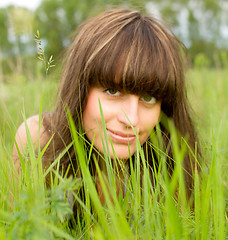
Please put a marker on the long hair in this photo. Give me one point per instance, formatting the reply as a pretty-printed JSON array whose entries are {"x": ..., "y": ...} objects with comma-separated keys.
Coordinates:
[{"x": 124, "y": 50}]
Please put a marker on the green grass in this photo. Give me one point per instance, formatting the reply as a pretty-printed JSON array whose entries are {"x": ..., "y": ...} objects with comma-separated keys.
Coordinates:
[
  {"x": 23, "y": 97},
  {"x": 148, "y": 213}
]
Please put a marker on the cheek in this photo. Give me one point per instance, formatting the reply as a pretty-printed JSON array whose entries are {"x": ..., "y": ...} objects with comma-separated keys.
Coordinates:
[
  {"x": 90, "y": 114},
  {"x": 152, "y": 117}
]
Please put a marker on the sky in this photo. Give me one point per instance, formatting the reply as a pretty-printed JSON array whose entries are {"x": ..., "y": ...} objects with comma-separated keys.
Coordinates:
[{"x": 31, "y": 4}]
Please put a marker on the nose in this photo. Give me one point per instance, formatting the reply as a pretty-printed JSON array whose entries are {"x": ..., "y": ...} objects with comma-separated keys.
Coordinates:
[{"x": 129, "y": 114}]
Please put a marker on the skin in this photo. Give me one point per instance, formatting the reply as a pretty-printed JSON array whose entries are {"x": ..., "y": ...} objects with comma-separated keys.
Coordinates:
[
  {"x": 142, "y": 113},
  {"x": 37, "y": 133}
]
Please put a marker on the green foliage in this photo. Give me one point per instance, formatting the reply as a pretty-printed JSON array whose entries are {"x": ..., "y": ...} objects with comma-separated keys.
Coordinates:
[
  {"x": 16, "y": 44},
  {"x": 201, "y": 61},
  {"x": 21, "y": 94},
  {"x": 147, "y": 210},
  {"x": 41, "y": 55},
  {"x": 223, "y": 59},
  {"x": 57, "y": 20},
  {"x": 4, "y": 43}
]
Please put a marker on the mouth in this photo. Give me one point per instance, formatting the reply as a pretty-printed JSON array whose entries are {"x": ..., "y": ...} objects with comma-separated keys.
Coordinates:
[{"x": 121, "y": 137}]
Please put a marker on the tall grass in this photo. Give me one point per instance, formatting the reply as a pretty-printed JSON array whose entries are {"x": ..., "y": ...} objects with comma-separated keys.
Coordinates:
[{"x": 145, "y": 210}]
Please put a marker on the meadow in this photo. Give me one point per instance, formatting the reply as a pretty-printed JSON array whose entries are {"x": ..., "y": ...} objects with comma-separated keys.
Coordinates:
[{"x": 38, "y": 212}]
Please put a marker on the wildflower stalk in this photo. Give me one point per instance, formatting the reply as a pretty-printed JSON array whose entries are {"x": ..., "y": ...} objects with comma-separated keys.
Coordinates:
[{"x": 41, "y": 54}]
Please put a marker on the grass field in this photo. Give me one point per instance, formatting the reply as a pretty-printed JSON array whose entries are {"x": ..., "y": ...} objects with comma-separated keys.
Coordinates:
[{"x": 40, "y": 213}]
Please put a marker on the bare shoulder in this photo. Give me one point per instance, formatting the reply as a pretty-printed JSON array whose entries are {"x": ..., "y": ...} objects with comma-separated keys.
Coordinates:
[{"x": 37, "y": 132}]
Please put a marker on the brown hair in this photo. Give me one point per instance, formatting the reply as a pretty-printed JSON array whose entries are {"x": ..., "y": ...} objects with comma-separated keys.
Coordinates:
[{"x": 124, "y": 50}]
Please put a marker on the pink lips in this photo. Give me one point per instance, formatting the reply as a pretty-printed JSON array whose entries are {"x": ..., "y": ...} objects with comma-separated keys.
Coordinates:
[{"x": 121, "y": 137}]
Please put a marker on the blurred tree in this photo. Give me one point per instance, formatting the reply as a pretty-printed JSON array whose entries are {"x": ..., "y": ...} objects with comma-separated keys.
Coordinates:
[
  {"x": 58, "y": 19},
  {"x": 198, "y": 23},
  {"x": 195, "y": 22},
  {"x": 16, "y": 39},
  {"x": 20, "y": 26},
  {"x": 4, "y": 42}
]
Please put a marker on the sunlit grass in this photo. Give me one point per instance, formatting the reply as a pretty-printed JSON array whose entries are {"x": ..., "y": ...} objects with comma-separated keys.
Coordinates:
[{"x": 146, "y": 210}]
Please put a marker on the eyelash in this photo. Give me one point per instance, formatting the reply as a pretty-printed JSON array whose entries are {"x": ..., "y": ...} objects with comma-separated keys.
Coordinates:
[
  {"x": 111, "y": 94},
  {"x": 152, "y": 101},
  {"x": 117, "y": 93}
]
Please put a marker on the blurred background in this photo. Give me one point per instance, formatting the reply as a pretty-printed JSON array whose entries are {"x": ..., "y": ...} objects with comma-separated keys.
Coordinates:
[{"x": 201, "y": 24}]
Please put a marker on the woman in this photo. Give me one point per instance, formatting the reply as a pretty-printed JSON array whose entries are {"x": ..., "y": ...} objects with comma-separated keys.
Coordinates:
[{"x": 129, "y": 66}]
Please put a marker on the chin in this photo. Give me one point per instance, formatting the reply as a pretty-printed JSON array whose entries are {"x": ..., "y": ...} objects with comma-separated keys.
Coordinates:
[{"x": 121, "y": 154}]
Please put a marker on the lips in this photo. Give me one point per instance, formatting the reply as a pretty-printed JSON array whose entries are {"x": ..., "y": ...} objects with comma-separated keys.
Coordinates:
[{"x": 121, "y": 137}]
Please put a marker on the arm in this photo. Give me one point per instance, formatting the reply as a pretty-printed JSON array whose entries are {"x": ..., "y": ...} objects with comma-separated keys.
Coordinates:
[{"x": 38, "y": 136}]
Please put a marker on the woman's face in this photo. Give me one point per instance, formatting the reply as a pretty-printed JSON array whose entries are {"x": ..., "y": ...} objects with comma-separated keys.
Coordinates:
[{"x": 120, "y": 110}]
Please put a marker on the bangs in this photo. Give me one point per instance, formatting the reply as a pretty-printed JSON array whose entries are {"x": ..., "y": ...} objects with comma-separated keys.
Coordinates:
[{"x": 138, "y": 60}]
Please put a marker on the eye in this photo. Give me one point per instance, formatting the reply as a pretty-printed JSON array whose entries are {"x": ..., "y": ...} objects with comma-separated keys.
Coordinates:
[
  {"x": 112, "y": 92},
  {"x": 148, "y": 98}
]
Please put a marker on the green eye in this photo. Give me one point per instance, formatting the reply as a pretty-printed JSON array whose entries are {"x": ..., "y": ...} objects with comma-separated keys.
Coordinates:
[
  {"x": 113, "y": 92},
  {"x": 148, "y": 98}
]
